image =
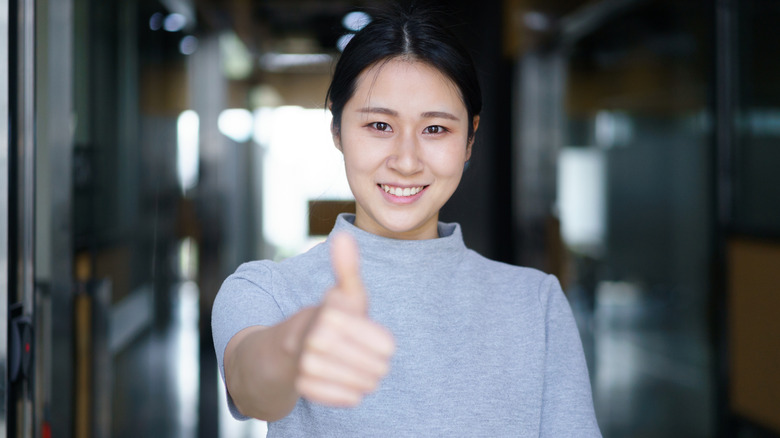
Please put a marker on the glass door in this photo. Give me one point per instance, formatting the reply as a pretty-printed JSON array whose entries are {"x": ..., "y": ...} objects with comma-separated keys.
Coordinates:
[
  {"x": 617, "y": 198},
  {"x": 635, "y": 196}
]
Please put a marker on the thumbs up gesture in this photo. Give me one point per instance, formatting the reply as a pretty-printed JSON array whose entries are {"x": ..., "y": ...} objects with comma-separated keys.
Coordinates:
[{"x": 344, "y": 354}]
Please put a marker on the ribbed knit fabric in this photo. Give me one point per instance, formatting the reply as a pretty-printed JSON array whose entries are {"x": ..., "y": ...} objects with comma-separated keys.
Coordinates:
[{"x": 484, "y": 349}]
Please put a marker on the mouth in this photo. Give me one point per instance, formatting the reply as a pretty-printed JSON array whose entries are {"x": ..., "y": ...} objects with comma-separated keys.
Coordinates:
[{"x": 401, "y": 191}]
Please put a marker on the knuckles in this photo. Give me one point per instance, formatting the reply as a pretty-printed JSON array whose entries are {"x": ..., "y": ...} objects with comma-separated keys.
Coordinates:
[{"x": 333, "y": 336}]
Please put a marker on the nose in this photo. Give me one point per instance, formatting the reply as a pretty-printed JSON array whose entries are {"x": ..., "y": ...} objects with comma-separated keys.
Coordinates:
[{"x": 406, "y": 156}]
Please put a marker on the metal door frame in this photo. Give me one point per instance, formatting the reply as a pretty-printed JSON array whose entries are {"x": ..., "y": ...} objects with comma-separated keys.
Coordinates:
[
  {"x": 17, "y": 191},
  {"x": 54, "y": 280},
  {"x": 4, "y": 148}
]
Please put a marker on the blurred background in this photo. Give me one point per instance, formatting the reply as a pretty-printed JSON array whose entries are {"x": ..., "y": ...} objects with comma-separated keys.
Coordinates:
[{"x": 148, "y": 147}]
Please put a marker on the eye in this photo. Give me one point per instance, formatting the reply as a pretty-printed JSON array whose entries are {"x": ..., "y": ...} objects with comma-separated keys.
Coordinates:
[
  {"x": 434, "y": 129},
  {"x": 381, "y": 126}
]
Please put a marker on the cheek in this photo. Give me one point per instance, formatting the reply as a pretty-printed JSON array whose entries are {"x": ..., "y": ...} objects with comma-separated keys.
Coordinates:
[
  {"x": 449, "y": 162},
  {"x": 358, "y": 161}
]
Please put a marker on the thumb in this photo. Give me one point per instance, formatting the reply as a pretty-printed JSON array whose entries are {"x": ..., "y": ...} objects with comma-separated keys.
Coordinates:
[{"x": 346, "y": 267}]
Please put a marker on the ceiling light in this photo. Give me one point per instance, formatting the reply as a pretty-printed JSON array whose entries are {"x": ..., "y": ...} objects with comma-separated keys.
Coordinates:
[
  {"x": 174, "y": 22},
  {"x": 281, "y": 61},
  {"x": 356, "y": 20},
  {"x": 344, "y": 40},
  {"x": 236, "y": 124},
  {"x": 188, "y": 45},
  {"x": 156, "y": 21}
]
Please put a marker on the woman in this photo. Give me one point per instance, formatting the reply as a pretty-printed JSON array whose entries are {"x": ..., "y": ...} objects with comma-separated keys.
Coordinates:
[{"x": 416, "y": 335}]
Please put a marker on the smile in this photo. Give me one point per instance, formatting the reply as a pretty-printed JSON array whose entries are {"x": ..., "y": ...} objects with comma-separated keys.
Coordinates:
[{"x": 402, "y": 191}]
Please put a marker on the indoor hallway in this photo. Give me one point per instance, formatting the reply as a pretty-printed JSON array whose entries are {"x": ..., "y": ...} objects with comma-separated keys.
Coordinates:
[{"x": 630, "y": 147}]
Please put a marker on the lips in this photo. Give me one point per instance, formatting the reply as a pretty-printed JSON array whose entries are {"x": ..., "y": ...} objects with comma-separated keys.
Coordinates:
[{"x": 402, "y": 191}]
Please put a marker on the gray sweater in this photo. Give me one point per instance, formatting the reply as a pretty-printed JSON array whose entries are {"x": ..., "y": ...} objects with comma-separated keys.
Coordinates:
[{"x": 484, "y": 349}]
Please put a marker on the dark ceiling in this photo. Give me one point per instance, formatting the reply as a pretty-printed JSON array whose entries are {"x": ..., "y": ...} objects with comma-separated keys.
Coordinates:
[{"x": 285, "y": 26}]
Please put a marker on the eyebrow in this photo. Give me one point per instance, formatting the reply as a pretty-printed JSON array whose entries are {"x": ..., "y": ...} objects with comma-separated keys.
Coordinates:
[
  {"x": 425, "y": 115},
  {"x": 439, "y": 115},
  {"x": 379, "y": 110}
]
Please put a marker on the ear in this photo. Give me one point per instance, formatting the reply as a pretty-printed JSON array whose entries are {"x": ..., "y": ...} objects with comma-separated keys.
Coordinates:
[
  {"x": 471, "y": 140},
  {"x": 334, "y": 132}
]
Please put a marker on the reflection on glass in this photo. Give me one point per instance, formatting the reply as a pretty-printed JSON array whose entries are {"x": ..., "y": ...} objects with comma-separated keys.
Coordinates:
[
  {"x": 186, "y": 358},
  {"x": 187, "y": 150},
  {"x": 582, "y": 198}
]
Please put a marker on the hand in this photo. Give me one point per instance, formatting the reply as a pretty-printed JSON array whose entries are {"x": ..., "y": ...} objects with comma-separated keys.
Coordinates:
[{"x": 344, "y": 354}]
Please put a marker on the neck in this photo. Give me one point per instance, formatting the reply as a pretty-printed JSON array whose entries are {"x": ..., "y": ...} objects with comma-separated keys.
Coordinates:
[
  {"x": 375, "y": 248},
  {"x": 428, "y": 230}
]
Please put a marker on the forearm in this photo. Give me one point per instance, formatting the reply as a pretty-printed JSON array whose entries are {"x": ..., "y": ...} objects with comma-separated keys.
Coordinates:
[{"x": 261, "y": 365}]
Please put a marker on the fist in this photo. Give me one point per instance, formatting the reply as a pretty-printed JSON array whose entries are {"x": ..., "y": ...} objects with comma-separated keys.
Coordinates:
[{"x": 344, "y": 354}]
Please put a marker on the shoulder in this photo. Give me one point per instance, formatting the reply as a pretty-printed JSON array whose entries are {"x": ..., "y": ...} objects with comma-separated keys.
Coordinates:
[
  {"x": 504, "y": 272},
  {"x": 293, "y": 282},
  {"x": 266, "y": 287},
  {"x": 252, "y": 282},
  {"x": 257, "y": 272},
  {"x": 514, "y": 279},
  {"x": 315, "y": 257},
  {"x": 265, "y": 272}
]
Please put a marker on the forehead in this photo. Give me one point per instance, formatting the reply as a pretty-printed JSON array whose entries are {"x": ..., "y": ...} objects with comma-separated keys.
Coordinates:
[{"x": 402, "y": 78}]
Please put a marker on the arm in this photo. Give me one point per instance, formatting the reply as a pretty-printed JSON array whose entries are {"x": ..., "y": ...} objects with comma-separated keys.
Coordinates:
[
  {"x": 260, "y": 367},
  {"x": 567, "y": 403}
]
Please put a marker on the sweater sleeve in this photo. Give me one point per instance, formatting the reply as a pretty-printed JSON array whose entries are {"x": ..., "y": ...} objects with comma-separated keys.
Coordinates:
[
  {"x": 244, "y": 300},
  {"x": 567, "y": 402}
]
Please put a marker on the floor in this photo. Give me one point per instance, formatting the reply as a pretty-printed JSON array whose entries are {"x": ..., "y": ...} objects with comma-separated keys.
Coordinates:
[
  {"x": 156, "y": 378},
  {"x": 650, "y": 365}
]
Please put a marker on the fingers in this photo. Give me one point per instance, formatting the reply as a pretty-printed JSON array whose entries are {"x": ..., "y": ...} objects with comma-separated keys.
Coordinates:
[
  {"x": 321, "y": 373},
  {"x": 342, "y": 334},
  {"x": 349, "y": 289},
  {"x": 344, "y": 358},
  {"x": 327, "y": 393},
  {"x": 323, "y": 367}
]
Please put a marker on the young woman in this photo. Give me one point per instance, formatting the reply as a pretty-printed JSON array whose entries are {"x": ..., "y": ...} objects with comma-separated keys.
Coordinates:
[{"x": 392, "y": 327}]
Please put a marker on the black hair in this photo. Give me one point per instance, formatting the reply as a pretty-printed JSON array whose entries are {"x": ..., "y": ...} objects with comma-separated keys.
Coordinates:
[{"x": 413, "y": 32}]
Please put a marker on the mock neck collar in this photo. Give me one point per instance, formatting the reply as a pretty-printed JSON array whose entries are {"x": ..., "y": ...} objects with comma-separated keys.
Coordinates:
[{"x": 374, "y": 247}]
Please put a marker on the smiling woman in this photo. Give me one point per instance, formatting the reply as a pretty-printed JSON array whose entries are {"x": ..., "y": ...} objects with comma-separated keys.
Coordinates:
[
  {"x": 404, "y": 152},
  {"x": 452, "y": 343}
]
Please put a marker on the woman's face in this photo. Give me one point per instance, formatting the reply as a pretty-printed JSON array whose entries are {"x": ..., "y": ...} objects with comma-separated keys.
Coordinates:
[{"x": 404, "y": 136}]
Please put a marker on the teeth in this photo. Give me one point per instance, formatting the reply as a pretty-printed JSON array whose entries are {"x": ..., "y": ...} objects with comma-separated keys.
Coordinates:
[{"x": 398, "y": 191}]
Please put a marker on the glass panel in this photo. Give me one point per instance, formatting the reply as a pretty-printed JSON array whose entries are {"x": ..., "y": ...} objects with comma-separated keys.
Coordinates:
[
  {"x": 634, "y": 195},
  {"x": 757, "y": 182},
  {"x": 753, "y": 246}
]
